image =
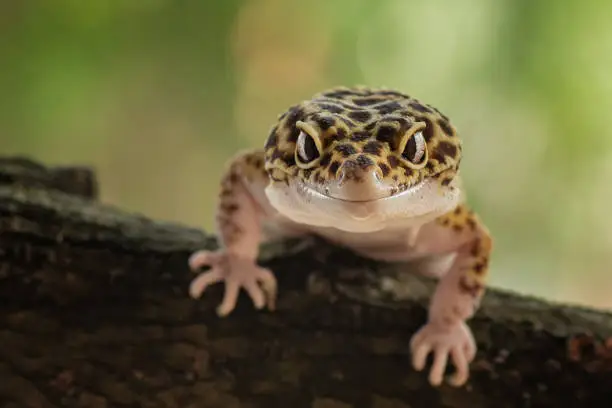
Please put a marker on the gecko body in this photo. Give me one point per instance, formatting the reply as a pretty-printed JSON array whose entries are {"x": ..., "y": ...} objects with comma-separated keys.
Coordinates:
[{"x": 374, "y": 170}]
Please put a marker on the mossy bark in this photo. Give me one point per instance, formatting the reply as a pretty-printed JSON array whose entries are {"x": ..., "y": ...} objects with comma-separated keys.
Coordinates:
[{"x": 94, "y": 312}]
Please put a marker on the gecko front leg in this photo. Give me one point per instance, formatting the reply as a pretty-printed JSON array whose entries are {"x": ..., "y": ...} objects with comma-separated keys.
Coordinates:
[
  {"x": 239, "y": 217},
  {"x": 456, "y": 297}
]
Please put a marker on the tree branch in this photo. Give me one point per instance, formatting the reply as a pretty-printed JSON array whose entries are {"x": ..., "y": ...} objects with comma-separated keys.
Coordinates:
[{"x": 95, "y": 313}]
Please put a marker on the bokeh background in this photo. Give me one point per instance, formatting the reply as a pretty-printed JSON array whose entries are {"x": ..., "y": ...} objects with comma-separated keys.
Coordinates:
[{"x": 158, "y": 94}]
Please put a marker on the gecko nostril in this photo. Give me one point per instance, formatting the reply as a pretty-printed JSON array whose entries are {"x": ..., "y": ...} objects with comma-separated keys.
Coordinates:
[
  {"x": 364, "y": 162},
  {"x": 348, "y": 171}
]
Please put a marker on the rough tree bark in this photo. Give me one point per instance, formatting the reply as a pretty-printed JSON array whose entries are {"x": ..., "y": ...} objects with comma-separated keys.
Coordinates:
[{"x": 94, "y": 313}]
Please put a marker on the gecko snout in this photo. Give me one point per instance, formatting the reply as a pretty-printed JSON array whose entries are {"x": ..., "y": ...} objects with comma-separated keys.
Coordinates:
[
  {"x": 358, "y": 170},
  {"x": 358, "y": 179}
]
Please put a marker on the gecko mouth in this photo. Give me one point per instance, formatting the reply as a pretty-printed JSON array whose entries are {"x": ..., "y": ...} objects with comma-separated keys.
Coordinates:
[
  {"x": 309, "y": 205},
  {"x": 307, "y": 190},
  {"x": 413, "y": 201}
]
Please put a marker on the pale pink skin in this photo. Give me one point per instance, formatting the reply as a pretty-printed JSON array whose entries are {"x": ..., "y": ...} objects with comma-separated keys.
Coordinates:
[{"x": 395, "y": 229}]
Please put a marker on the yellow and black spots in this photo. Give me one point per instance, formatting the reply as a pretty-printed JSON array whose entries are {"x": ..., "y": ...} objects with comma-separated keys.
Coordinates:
[
  {"x": 245, "y": 167},
  {"x": 474, "y": 279},
  {"x": 406, "y": 139},
  {"x": 475, "y": 250}
]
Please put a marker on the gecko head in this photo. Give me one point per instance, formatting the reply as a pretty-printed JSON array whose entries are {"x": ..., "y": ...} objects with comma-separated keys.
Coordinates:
[{"x": 361, "y": 160}]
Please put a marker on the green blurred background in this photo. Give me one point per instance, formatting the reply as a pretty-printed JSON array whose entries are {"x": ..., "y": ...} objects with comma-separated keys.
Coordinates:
[{"x": 157, "y": 94}]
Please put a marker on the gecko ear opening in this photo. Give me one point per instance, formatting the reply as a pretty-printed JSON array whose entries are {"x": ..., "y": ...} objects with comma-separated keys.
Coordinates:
[{"x": 308, "y": 146}]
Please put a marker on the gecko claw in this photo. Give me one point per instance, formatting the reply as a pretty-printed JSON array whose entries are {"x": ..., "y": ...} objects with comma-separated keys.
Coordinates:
[
  {"x": 237, "y": 273},
  {"x": 455, "y": 341}
]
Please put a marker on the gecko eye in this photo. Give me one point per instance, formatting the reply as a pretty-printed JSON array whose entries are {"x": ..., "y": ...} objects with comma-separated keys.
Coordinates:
[
  {"x": 414, "y": 151},
  {"x": 307, "y": 150}
]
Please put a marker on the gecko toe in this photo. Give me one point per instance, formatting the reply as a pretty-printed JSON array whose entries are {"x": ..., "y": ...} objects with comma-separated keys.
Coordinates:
[
  {"x": 269, "y": 286},
  {"x": 230, "y": 297},
  {"x": 256, "y": 293},
  {"x": 436, "y": 375},
  {"x": 202, "y": 281},
  {"x": 460, "y": 361},
  {"x": 203, "y": 258},
  {"x": 420, "y": 352}
]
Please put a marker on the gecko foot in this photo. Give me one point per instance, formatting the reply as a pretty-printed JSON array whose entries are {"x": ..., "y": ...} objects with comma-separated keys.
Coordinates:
[
  {"x": 455, "y": 341},
  {"x": 237, "y": 273}
]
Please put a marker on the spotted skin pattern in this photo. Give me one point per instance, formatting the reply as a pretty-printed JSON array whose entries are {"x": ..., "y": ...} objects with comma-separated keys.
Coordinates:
[
  {"x": 374, "y": 170},
  {"x": 464, "y": 221},
  {"x": 368, "y": 122}
]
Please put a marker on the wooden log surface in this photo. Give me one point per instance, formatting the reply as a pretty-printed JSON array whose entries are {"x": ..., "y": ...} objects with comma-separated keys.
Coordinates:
[{"x": 94, "y": 312}]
